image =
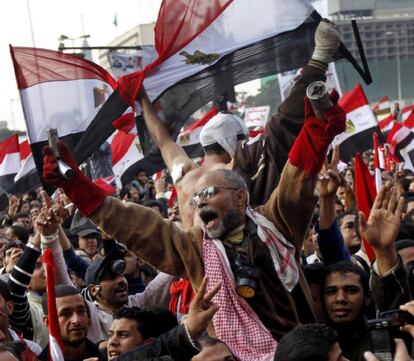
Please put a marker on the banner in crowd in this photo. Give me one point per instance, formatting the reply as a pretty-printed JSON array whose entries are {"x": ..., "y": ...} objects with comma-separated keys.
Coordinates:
[
  {"x": 256, "y": 117},
  {"x": 200, "y": 57},
  {"x": 126, "y": 63},
  {"x": 361, "y": 123}
]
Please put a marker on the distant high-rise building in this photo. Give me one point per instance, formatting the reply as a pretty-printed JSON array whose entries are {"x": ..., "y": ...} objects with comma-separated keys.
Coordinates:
[{"x": 387, "y": 33}]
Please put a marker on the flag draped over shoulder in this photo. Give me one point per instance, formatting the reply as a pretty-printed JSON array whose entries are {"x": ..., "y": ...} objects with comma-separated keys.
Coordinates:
[
  {"x": 61, "y": 91},
  {"x": 206, "y": 47},
  {"x": 361, "y": 123}
]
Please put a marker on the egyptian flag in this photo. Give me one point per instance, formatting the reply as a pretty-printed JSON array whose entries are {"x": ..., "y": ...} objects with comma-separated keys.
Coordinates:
[
  {"x": 382, "y": 108},
  {"x": 64, "y": 92},
  {"x": 361, "y": 123},
  {"x": 55, "y": 338},
  {"x": 386, "y": 124},
  {"x": 206, "y": 47},
  {"x": 401, "y": 145},
  {"x": 9, "y": 162},
  {"x": 365, "y": 193},
  {"x": 189, "y": 137}
]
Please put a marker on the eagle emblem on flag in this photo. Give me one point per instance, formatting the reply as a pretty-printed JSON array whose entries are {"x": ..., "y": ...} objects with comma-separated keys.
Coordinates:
[
  {"x": 350, "y": 127},
  {"x": 199, "y": 57},
  {"x": 185, "y": 138}
]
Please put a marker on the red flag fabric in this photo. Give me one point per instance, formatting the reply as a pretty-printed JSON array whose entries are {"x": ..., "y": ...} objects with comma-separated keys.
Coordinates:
[
  {"x": 378, "y": 179},
  {"x": 365, "y": 195},
  {"x": 173, "y": 197},
  {"x": 55, "y": 338},
  {"x": 178, "y": 23}
]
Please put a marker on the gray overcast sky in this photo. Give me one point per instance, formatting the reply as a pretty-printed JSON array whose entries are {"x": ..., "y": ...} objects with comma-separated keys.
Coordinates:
[{"x": 50, "y": 19}]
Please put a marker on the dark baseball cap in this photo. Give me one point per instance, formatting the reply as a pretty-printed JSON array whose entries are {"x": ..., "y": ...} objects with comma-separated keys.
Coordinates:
[
  {"x": 97, "y": 267},
  {"x": 87, "y": 232}
]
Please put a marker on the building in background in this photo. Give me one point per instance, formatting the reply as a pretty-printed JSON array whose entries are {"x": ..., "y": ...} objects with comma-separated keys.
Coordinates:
[
  {"x": 140, "y": 35},
  {"x": 387, "y": 33}
]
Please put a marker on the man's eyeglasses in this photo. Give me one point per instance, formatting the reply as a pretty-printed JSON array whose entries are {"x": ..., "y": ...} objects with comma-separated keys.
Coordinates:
[
  {"x": 349, "y": 225},
  {"x": 207, "y": 193}
]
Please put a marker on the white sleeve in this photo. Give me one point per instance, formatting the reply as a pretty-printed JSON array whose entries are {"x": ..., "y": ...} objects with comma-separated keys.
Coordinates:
[{"x": 157, "y": 293}]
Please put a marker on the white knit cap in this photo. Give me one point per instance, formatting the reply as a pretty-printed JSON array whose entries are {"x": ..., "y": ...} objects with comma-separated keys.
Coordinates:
[{"x": 223, "y": 129}]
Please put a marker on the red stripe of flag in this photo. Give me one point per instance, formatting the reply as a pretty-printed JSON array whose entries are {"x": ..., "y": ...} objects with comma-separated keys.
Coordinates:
[
  {"x": 55, "y": 348},
  {"x": 365, "y": 195}
]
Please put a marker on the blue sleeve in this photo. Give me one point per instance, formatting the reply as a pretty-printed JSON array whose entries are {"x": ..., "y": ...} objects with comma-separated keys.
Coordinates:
[
  {"x": 75, "y": 263},
  {"x": 331, "y": 244}
]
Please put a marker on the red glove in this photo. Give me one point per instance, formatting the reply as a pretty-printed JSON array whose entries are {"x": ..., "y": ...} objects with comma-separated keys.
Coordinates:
[
  {"x": 311, "y": 145},
  {"x": 85, "y": 195}
]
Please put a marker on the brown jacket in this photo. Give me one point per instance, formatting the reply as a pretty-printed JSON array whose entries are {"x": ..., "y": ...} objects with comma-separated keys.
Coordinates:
[
  {"x": 261, "y": 163},
  {"x": 177, "y": 252}
]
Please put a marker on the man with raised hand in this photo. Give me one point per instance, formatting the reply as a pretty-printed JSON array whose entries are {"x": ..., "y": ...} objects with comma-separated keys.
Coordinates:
[{"x": 269, "y": 294}]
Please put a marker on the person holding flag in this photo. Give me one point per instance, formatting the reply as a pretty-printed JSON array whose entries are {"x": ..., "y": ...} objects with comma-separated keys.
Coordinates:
[
  {"x": 259, "y": 162},
  {"x": 260, "y": 245}
]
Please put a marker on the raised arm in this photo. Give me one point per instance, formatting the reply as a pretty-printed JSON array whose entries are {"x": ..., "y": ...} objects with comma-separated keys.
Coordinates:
[
  {"x": 330, "y": 240},
  {"x": 261, "y": 163},
  {"x": 292, "y": 203},
  {"x": 171, "y": 152},
  {"x": 18, "y": 283},
  {"x": 144, "y": 232}
]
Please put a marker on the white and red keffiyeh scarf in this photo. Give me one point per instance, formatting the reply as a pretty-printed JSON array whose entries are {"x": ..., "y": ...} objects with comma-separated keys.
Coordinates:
[{"x": 235, "y": 322}]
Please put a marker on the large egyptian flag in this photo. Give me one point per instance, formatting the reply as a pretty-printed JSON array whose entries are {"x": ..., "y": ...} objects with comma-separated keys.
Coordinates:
[
  {"x": 60, "y": 91},
  {"x": 206, "y": 47},
  {"x": 361, "y": 123}
]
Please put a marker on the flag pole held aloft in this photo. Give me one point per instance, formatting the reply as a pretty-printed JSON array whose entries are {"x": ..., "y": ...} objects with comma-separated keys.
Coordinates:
[
  {"x": 317, "y": 92},
  {"x": 53, "y": 138}
]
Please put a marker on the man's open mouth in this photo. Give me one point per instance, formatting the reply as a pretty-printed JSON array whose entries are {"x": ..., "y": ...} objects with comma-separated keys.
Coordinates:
[{"x": 208, "y": 216}]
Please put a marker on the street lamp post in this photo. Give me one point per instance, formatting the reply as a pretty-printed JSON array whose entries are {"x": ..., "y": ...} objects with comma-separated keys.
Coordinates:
[{"x": 397, "y": 39}]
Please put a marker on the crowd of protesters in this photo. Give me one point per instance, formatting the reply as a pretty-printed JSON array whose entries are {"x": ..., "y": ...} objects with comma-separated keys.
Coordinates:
[{"x": 261, "y": 255}]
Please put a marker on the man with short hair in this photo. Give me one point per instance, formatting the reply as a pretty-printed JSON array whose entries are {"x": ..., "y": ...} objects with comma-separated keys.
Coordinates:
[
  {"x": 74, "y": 322},
  {"x": 108, "y": 287},
  {"x": 310, "y": 342},
  {"x": 348, "y": 226},
  {"x": 212, "y": 349},
  {"x": 133, "y": 327},
  {"x": 346, "y": 297},
  {"x": 6, "y": 333}
]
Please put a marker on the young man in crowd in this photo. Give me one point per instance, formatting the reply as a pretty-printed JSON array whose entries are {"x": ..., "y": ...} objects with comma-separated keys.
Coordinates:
[
  {"x": 348, "y": 226},
  {"x": 74, "y": 322},
  {"x": 133, "y": 327},
  {"x": 346, "y": 297},
  {"x": 310, "y": 342},
  {"x": 7, "y": 334}
]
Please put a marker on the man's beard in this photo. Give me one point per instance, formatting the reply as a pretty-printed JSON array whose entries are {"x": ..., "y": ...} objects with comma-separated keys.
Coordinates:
[
  {"x": 229, "y": 222},
  {"x": 73, "y": 343}
]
